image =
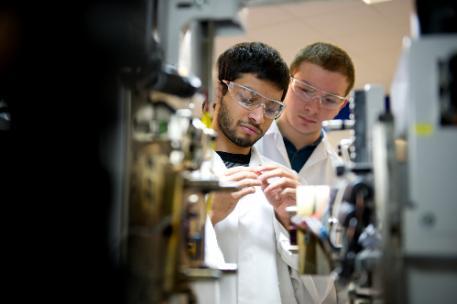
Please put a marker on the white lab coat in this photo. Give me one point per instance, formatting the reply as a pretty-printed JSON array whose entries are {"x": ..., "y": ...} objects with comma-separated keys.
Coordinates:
[
  {"x": 247, "y": 237},
  {"x": 319, "y": 169}
]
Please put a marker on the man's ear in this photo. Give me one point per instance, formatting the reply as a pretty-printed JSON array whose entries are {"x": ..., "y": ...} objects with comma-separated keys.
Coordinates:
[
  {"x": 208, "y": 107},
  {"x": 219, "y": 95},
  {"x": 205, "y": 106}
]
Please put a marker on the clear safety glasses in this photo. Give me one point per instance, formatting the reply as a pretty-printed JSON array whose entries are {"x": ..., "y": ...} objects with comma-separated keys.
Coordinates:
[
  {"x": 251, "y": 100},
  {"x": 307, "y": 92}
]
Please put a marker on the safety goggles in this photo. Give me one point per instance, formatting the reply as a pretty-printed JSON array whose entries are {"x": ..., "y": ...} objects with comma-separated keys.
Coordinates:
[
  {"x": 251, "y": 100},
  {"x": 307, "y": 92}
]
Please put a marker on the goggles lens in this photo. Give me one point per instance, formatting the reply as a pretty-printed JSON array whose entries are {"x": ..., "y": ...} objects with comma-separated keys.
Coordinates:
[
  {"x": 251, "y": 100},
  {"x": 307, "y": 92}
]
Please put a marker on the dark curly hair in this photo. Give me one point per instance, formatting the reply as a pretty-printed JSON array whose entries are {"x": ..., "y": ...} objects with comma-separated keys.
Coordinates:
[{"x": 256, "y": 58}]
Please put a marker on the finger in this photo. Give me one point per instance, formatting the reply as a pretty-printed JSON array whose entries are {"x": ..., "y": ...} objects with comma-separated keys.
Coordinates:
[
  {"x": 269, "y": 167},
  {"x": 236, "y": 176},
  {"x": 287, "y": 203},
  {"x": 245, "y": 191},
  {"x": 272, "y": 172},
  {"x": 289, "y": 193},
  {"x": 281, "y": 183},
  {"x": 248, "y": 182},
  {"x": 235, "y": 170},
  {"x": 273, "y": 193},
  {"x": 264, "y": 183},
  {"x": 279, "y": 172},
  {"x": 274, "y": 167}
]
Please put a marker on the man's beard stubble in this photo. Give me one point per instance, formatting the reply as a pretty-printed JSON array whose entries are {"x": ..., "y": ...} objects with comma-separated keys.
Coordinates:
[{"x": 225, "y": 121}]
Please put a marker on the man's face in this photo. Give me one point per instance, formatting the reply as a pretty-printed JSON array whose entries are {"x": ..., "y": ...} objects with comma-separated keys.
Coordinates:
[
  {"x": 305, "y": 115},
  {"x": 241, "y": 126}
]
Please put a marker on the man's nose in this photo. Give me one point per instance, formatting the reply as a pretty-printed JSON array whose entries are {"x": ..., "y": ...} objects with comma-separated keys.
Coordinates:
[
  {"x": 314, "y": 103},
  {"x": 257, "y": 114}
]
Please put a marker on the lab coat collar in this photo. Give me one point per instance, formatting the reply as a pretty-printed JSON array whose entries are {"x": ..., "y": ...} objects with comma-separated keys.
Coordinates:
[
  {"x": 321, "y": 152},
  {"x": 273, "y": 129},
  {"x": 274, "y": 134}
]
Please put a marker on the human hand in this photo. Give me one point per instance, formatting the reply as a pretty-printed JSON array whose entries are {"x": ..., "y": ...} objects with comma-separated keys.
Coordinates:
[
  {"x": 279, "y": 185},
  {"x": 246, "y": 178}
]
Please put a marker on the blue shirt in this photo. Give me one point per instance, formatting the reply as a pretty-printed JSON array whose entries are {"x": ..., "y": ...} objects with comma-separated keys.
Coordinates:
[{"x": 298, "y": 158}]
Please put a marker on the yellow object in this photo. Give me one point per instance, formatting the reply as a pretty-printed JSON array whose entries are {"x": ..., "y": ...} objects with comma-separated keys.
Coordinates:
[
  {"x": 209, "y": 203},
  {"x": 206, "y": 119},
  {"x": 423, "y": 129}
]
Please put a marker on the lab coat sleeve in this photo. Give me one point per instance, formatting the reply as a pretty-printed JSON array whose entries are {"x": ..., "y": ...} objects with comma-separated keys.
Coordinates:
[
  {"x": 306, "y": 288},
  {"x": 213, "y": 254},
  {"x": 283, "y": 244}
]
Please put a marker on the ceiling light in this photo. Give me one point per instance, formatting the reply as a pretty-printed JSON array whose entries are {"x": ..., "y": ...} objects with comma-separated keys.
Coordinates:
[{"x": 375, "y": 1}]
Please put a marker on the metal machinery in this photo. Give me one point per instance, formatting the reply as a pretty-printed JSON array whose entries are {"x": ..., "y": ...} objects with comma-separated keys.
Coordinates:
[
  {"x": 161, "y": 219},
  {"x": 389, "y": 233},
  {"x": 166, "y": 207},
  {"x": 419, "y": 202},
  {"x": 158, "y": 229},
  {"x": 159, "y": 223},
  {"x": 153, "y": 146}
]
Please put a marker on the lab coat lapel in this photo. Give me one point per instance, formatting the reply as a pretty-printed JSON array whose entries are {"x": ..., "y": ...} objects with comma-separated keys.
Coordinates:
[
  {"x": 274, "y": 137},
  {"x": 248, "y": 202},
  {"x": 246, "y": 237},
  {"x": 217, "y": 165},
  {"x": 257, "y": 246},
  {"x": 256, "y": 158},
  {"x": 319, "y": 154}
]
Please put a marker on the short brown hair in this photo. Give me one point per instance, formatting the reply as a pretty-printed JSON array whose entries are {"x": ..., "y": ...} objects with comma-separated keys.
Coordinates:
[{"x": 329, "y": 57}]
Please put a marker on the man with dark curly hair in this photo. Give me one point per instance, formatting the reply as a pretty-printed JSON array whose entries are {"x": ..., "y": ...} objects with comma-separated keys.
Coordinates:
[{"x": 252, "y": 83}]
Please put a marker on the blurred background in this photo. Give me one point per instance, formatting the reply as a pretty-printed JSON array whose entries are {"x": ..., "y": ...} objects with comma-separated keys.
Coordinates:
[
  {"x": 97, "y": 196},
  {"x": 371, "y": 33}
]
